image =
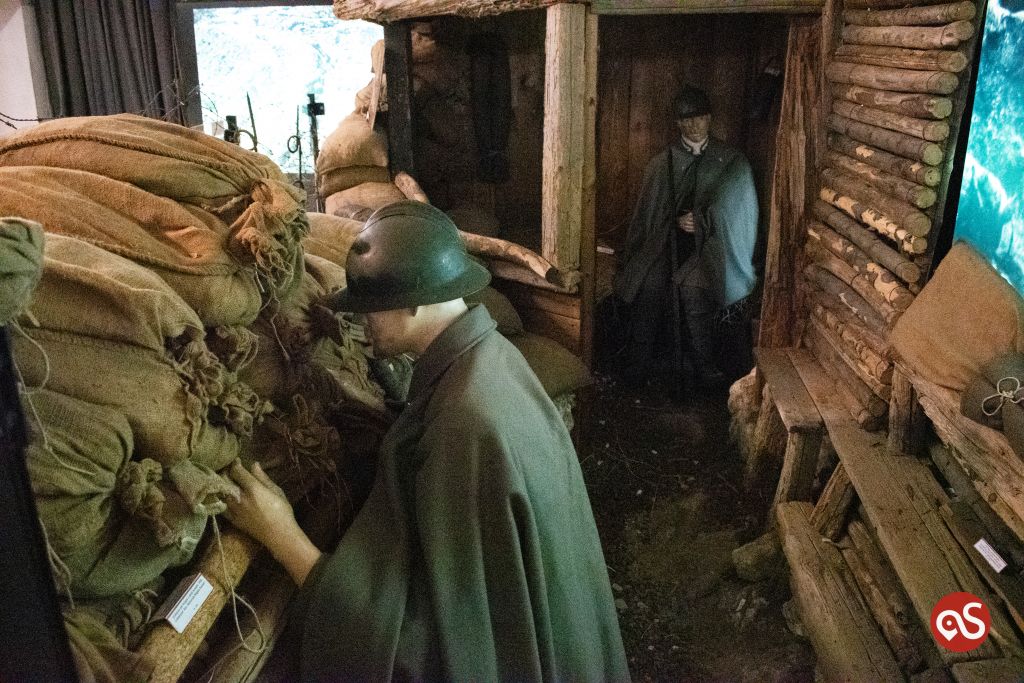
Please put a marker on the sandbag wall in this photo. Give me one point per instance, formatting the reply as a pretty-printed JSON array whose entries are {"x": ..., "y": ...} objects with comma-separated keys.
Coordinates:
[
  {"x": 870, "y": 230},
  {"x": 177, "y": 326}
]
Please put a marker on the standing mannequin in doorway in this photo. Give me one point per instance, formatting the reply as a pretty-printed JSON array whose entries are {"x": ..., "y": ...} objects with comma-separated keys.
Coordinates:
[{"x": 697, "y": 198}]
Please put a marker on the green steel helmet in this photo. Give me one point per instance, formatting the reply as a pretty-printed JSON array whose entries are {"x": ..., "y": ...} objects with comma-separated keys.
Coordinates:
[
  {"x": 408, "y": 254},
  {"x": 690, "y": 102}
]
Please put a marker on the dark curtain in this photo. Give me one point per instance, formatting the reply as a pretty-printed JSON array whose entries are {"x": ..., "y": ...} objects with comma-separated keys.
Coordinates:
[{"x": 111, "y": 56}]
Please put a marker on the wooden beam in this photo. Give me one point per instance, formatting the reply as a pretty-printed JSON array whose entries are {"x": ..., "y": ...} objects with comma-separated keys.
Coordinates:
[
  {"x": 588, "y": 237},
  {"x": 846, "y": 638},
  {"x": 706, "y": 6},
  {"x": 797, "y": 410},
  {"x": 385, "y": 11},
  {"x": 795, "y": 161},
  {"x": 565, "y": 91},
  {"x": 398, "y": 67},
  {"x": 906, "y": 423},
  {"x": 830, "y": 512},
  {"x": 1006, "y": 670}
]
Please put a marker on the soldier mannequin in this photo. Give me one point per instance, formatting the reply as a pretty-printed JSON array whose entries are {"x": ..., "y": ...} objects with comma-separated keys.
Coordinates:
[{"x": 698, "y": 198}]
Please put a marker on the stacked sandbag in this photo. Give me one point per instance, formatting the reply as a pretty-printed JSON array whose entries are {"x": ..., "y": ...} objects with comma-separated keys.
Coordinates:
[
  {"x": 361, "y": 200},
  {"x": 21, "y": 264},
  {"x": 352, "y": 155},
  {"x": 211, "y": 178},
  {"x": 194, "y": 254}
]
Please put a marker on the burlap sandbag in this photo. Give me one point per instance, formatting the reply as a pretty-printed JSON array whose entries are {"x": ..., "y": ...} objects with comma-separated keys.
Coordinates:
[
  {"x": 99, "y": 655},
  {"x": 244, "y": 189},
  {"x": 965, "y": 315},
  {"x": 359, "y": 198},
  {"x": 500, "y": 308},
  {"x": 353, "y": 154},
  {"x": 559, "y": 371},
  {"x": 330, "y": 237},
  {"x": 96, "y": 505},
  {"x": 21, "y": 264},
  {"x": 201, "y": 261}
]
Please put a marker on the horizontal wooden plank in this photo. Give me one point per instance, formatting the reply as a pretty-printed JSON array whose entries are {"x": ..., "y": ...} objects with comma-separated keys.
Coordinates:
[
  {"x": 795, "y": 406},
  {"x": 706, "y": 6},
  {"x": 846, "y": 639},
  {"x": 996, "y": 471}
]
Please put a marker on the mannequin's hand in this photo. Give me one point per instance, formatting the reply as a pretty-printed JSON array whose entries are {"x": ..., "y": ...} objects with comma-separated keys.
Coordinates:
[
  {"x": 263, "y": 512},
  {"x": 687, "y": 222}
]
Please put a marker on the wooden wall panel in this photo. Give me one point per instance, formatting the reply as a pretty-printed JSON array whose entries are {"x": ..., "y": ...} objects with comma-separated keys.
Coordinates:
[{"x": 643, "y": 61}]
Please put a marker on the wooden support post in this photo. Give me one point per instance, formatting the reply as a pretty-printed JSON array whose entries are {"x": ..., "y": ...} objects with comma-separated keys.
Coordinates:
[
  {"x": 830, "y": 512},
  {"x": 918, "y": 195},
  {"x": 906, "y": 424},
  {"x": 588, "y": 238},
  {"x": 799, "y": 463},
  {"x": 565, "y": 89},
  {"x": 892, "y": 260},
  {"x": 914, "y": 171},
  {"x": 398, "y": 67},
  {"x": 795, "y": 162},
  {"x": 846, "y": 638},
  {"x": 918, "y": 105},
  {"x": 901, "y": 213},
  {"x": 769, "y": 441},
  {"x": 889, "y": 140}
]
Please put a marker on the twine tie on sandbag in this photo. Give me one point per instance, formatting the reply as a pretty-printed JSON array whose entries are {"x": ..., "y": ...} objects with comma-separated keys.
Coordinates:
[{"x": 1007, "y": 389}]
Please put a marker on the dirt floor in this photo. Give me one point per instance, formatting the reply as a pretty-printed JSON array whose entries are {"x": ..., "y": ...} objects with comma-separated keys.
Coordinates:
[{"x": 665, "y": 486}]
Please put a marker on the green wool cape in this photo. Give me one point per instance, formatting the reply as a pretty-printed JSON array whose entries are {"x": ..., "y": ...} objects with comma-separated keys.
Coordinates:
[{"x": 476, "y": 556}]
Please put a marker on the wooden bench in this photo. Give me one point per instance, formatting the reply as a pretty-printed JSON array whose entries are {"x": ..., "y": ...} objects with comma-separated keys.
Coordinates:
[
  {"x": 925, "y": 536},
  {"x": 787, "y": 412}
]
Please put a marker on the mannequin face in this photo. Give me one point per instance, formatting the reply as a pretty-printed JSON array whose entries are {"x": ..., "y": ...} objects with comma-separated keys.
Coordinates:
[
  {"x": 695, "y": 128},
  {"x": 391, "y": 332}
]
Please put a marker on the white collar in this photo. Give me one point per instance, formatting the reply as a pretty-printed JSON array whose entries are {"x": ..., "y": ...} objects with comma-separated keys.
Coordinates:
[{"x": 695, "y": 148}]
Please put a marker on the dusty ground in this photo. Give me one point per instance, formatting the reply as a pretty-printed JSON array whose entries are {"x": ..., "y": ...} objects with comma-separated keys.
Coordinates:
[{"x": 664, "y": 484}]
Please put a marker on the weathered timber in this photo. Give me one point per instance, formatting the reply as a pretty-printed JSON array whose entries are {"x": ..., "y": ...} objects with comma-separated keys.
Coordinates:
[
  {"x": 385, "y": 11},
  {"x": 906, "y": 433},
  {"x": 832, "y": 508},
  {"x": 588, "y": 237},
  {"x": 902, "y": 213},
  {"x": 909, "y": 104},
  {"x": 912, "y": 16},
  {"x": 864, "y": 400},
  {"x": 799, "y": 463},
  {"x": 858, "y": 283},
  {"x": 935, "y": 674},
  {"x": 398, "y": 70},
  {"x": 889, "y": 78},
  {"x": 705, "y": 6},
  {"x": 926, "y": 129},
  {"x": 876, "y": 5},
  {"x": 410, "y": 188},
  {"x": 565, "y": 86},
  {"x": 760, "y": 559},
  {"x": 769, "y": 442},
  {"x": 918, "y": 195},
  {"x": 995, "y": 470},
  {"x": 899, "y": 496},
  {"x": 876, "y": 386},
  {"x": 952, "y": 61},
  {"x": 820, "y": 378},
  {"x": 846, "y": 295},
  {"x": 916, "y": 37},
  {"x": 846, "y": 639},
  {"x": 968, "y": 530},
  {"x": 881, "y": 223},
  {"x": 908, "y": 654},
  {"x": 796, "y": 146},
  {"x": 884, "y": 282},
  {"x": 1003, "y": 537},
  {"x": 911, "y": 170},
  {"x": 1004, "y": 670},
  {"x": 849, "y": 228},
  {"x": 796, "y": 409},
  {"x": 503, "y": 250},
  {"x": 868, "y": 336},
  {"x": 889, "y": 140},
  {"x": 877, "y": 365},
  {"x": 223, "y": 565}
]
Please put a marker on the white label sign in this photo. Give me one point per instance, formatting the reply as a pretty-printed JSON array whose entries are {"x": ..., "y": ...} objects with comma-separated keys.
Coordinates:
[
  {"x": 989, "y": 553},
  {"x": 184, "y": 602}
]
